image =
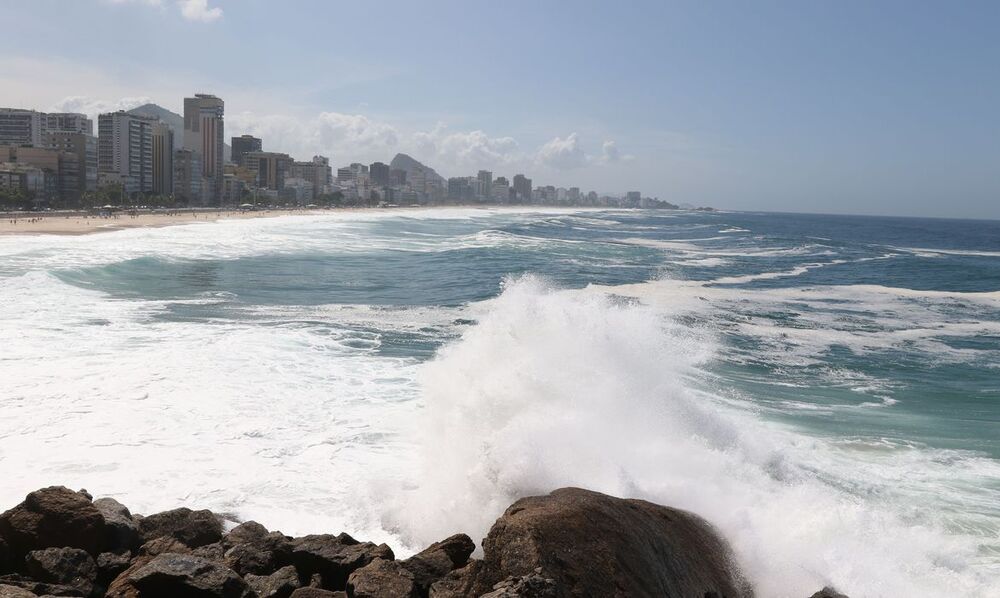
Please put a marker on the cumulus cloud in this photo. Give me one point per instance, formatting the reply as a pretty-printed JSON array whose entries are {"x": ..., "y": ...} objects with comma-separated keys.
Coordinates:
[
  {"x": 563, "y": 153},
  {"x": 198, "y": 10},
  {"x": 94, "y": 106},
  {"x": 336, "y": 135},
  {"x": 466, "y": 149}
]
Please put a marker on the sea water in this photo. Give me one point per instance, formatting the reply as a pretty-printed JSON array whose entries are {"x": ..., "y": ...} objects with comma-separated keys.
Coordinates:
[{"x": 825, "y": 390}]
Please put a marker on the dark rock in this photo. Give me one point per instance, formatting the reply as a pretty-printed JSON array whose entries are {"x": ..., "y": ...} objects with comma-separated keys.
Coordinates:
[
  {"x": 39, "y": 588},
  {"x": 591, "y": 544},
  {"x": 279, "y": 584},
  {"x": 245, "y": 533},
  {"x": 212, "y": 552},
  {"x": 182, "y": 575},
  {"x": 457, "y": 584},
  {"x": 382, "y": 579},
  {"x": 193, "y": 528},
  {"x": 828, "y": 592},
  {"x": 110, "y": 565},
  {"x": 122, "y": 586},
  {"x": 162, "y": 545},
  {"x": 6, "y": 564},
  {"x": 70, "y": 567},
  {"x": 317, "y": 593},
  {"x": 334, "y": 557},
  {"x": 529, "y": 586},
  {"x": 15, "y": 592},
  {"x": 439, "y": 559},
  {"x": 121, "y": 528},
  {"x": 52, "y": 517},
  {"x": 260, "y": 555}
]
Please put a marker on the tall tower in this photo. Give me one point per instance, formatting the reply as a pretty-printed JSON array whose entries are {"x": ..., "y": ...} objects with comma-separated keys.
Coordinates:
[
  {"x": 125, "y": 151},
  {"x": 204, "y": 134},
  {"x": 163, "y": 159}
]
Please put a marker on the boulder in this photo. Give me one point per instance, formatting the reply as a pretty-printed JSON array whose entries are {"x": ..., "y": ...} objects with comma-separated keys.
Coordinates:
[
  {"x": 382, "y": 579},
  {"x": 317, "y": 593},
  {"x": 122, "y": 586},
  {"x": 70, "y": 567},
  {"x": 6, "y": 564},
  {"x": 259, "y": 555},
  {"x": 279, "y": 584},
  {"x": 212, "y": 552},
  {"x": 110, "y": 565},
  {"x": 244, "y": 533},
  {"x": 460, "y": 583},
  {"x": 39, "y": 588},
  {"x": 528, "y": 586},
  {"x": 334, "y": 558},
  {"x": 192, "y": 528},
  {"x": 181, "y": 575},
  {"x": 121, "y": 528},
  {"x": 592, "y": 544},
  {"x": 828, "y": 592},
  {"x": 163, "y": 544},
  {"x": 53, "y": 517},
  {"x": 439, "y": 559},
  {"x": 15, "y": 592}
]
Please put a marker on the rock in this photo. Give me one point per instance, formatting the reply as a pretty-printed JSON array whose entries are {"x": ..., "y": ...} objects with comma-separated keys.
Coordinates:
[
  {"x": 122, "y": 587},
  {"x": 439, "y": 559},
  {"x": 260, "y": 555},
  {"x": 15, "y": 592},
  {"x": 212, "y": 552},
  {"x": 38, "y": 588},
  {"x": 828, "y": 592},
  {"x": 457, "y": 584},
  {"x": 70, "y": 567},
  {"x": 591, "y": 544},
  {"x": 6, "y": 565},
  {"x": 163, "y": 544},
  {"x": 334, "y": 557},
  {"x": 279, "y": 584},
  {"x": 122, "y": 529},
  {"x": 528, "y": 586},
  {"x": 52, "y": 517},
  {"x": 181, "y": 575},
  {"x": 110, "y": 565},
  {"x": 193, "y": 528},
  {"x": 245, "y": 533},
  {"x": 382, "y": 579},
  {"x": 317, "y": 593}
]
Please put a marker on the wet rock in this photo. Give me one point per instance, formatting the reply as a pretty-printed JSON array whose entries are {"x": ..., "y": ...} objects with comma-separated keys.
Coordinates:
[
  {"x": 528, "y": 586},
  {"x": 192, "y": 528},
  {"x": 439, "y": 559},
  {"x": 162, "y": 545},
  {"x": 178, "y": 575},
  {"x": 121, "y": 528},
  {"x": 53, "y": 517},
  {"x": 70, "y": 567},
  {"x": 260, "y": 555},
  {"x": 279, "y": 584},
  {"x": 457, "y": 584},
  {"x": 334, "y": 558},
  {"x": 591, "y": 544},
  {"x": 828, "y": 592},
  {"x": 382, "y": 579}
]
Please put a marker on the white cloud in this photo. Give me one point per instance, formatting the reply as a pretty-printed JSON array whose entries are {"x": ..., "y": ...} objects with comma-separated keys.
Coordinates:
[
  {"x": 341, "y": 137},
  {"x": 198, "y": 10},
  {"x": 563, "y": 154},
  {"x": 93, "y": 106},
  {"x": 471, "y": 149}
]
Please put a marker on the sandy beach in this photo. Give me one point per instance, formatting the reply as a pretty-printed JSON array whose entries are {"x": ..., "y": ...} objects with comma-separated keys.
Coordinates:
[{"x": 27, "y": 223}]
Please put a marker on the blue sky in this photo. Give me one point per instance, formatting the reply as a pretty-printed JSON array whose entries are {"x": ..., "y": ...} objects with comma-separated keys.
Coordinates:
[{"x": 845, "y": 107}]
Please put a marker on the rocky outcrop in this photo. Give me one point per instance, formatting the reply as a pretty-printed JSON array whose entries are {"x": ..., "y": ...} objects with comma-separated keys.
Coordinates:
[
  {"x": 591, "y": 544},
  {"x": 569, "y": 543}
]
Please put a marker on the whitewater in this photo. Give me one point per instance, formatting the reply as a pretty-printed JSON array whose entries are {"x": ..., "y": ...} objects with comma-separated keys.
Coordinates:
[{"x": 825, "y": 390}]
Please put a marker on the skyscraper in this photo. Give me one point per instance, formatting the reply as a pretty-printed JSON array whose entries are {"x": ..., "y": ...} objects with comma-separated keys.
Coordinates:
[
  {"x": 125, "y": 151},
  {"x": 243, "y": 144},
  {"x": 485, "y": 178},
  {"x": 20, "y": 127},
  {"x": 163, "y": 159},
  {"x": 204, "y": 134},
  {"x": 522, "y": 187},
  {"x": 380, "y": 173}
]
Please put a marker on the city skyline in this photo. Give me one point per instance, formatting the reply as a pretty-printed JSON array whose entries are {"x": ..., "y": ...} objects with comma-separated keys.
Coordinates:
[{"x": 879, "y": 109}]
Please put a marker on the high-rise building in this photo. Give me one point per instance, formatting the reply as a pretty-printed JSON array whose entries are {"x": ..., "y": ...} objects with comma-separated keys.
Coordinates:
[
  {"x": 271, "y": 168},
  {"x": 187, "y": 177},
  {"x": 20, "y": 127},
  {"x": 397, "y": 177},
  {"x": 83, "y": 149},
  {"x": 485, "y": 178},
  {"x": 125, "y": 151},
  {"x": 317, "y": 173},
  {"x": 204, "y": 134},
  {"x": 500, "y": 192},
  {"x": 243, "y": 144},
  {"x": 379, "y": 173},
  {"x": 71, "y": 122},
  {"x": 522, "y": 187},
  {"x": 163, "y": 159}
]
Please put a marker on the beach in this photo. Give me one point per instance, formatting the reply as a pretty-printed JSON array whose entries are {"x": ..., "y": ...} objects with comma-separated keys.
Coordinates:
[{"x": 80, "y": 223}]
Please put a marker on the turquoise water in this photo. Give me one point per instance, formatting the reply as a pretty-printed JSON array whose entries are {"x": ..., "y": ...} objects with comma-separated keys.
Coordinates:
[{"x": 825, "y": 389}]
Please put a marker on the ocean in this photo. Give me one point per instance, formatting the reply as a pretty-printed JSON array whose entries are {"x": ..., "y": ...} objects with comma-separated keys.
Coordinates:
[{"x": 824, "y": 389}]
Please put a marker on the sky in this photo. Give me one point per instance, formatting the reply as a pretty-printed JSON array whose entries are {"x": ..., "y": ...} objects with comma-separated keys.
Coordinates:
[{"x": 875, "y": 107}]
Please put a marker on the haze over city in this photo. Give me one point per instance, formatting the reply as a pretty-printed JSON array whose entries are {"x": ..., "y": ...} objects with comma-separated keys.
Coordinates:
[{"x": 887, "y": 108}]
